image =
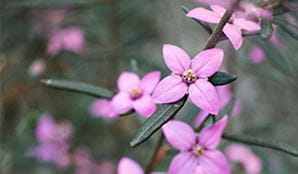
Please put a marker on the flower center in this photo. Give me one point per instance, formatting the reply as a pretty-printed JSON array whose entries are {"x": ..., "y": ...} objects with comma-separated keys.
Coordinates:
[
  {"x": 189, "y": 76},
  {"x": 135, "y": 93},
  {"x": 198, "y": 150}
]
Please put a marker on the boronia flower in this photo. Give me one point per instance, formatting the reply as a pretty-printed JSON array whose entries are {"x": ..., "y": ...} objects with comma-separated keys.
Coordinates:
[
  {"x": 190, "y": 77},
  {"x": 135, "y": 93},
  {"x": 232, "y": 29},
  {"x": 129, "y": 166},
  {"x": 251, "y": 163},
  {"x": 198, "y": 153}
]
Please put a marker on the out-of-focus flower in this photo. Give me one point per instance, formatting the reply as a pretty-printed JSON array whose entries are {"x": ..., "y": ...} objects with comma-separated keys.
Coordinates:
[
  {"x": 232, "y": 29},
  {"x": 102, "y": 108},
  {"x": 243, "y": 155},
  {"x": 190, "y": 77},
  {"x": 37, "y": 67},
  {"x": 198, "y": 153},
  {"x": 249, "y": 11},
  {"x": 223, "y": 3},
  {"x": 69, "y": 39},
  {"x": 129, "y": 166},
  {"x": 106, "y": 167},
  {"x": 53, "y": 141},
  {"x": 135, "y": 93},
  {"x": 257, "y": 55}
]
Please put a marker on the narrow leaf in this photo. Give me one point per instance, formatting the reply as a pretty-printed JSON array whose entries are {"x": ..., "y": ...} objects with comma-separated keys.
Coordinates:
[
  {"x": 261, "y": 142},
  {"x": 291, "y": 29},
  {"x": 274, "y": 55},
  {"x": 163, "y": 114},
  {"x": 78, "y": 87},
  {"x": 267, "y": 29},
  {"x": 222, "y": 78}
]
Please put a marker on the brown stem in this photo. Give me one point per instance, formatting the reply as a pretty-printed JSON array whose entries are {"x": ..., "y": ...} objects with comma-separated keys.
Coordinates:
[
  {"x": 154, "y": 158},
  {"x": 217, "y": 33}
]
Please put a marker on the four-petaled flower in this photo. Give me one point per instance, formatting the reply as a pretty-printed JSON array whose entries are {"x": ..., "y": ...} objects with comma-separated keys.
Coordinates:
[
  {"x": 232, "y": 29},
  {"x": 190, "y": 76},
  {"x": 135, "y": 93},
  {"x": 198, "y": 153}
]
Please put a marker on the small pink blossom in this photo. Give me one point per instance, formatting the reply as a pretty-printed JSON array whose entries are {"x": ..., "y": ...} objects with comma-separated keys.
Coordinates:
[
  {"x": 240, "y": 153},
  {"x": 249, "y": 11},
  {"x": 190, "y": 77},
  {"x": 53, "y": 141},
  {"x": 233, "y": 29},
  {"x": 69, "y": 39},
  {"x": 257, "y": 55},
  {"x": 198, "y": 153},
  {"x": 135, "y": 93},
  {"x": 129, "y": 166},
  {"x": 37, "y": 67},
  {"x": 102, "y": 108}
]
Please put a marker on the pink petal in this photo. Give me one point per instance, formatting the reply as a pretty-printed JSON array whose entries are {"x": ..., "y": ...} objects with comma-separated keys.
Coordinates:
[
  {"x": 234, "y": 35},
  {"x": 176, "y": 58},
  {"x": 179, "y": 134},
  {"x": 246, "y": 24},
  {"x": 128, "y": 166},
  {"x": 203, "y": 94},
  {"x": 214, "y": 162},
  {"x": 204, "y": 15},
  {"x": 45, "y": 130},
  {"x": 218, "y": 9},
  {"x": 170, "y": 89},
  {"x": 210, "y": 137},
  {"x": 257, "y": 55},
  {"x": 128, "y": 81},
  {"x": 224, "y": 95},
  {"x": 121, "y": 103},
  {"x": 149, "y": 82},
  {"x": 144, "y": 106},
  {"x": 200, "y": 118},
  {"x": 102, "y": 108},
  {"x": 207, "y": 62},
  {"x": 183, "y": 163}
]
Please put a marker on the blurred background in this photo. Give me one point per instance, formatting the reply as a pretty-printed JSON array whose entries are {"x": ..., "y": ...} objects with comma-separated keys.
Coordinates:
[{"x": 93, "y": 41}]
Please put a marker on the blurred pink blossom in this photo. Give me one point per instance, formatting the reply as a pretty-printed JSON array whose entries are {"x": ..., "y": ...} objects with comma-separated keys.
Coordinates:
[
  {"x": 37, "y": 67},
  {"x": 233, "y": 29},
  {"x": 243, "y": 155},
  {"x": 249, "y": 11},
  {"x": 129, "y": 166},
  {"x": 135, "y": 93},
  {"x": 69, "y": 39},
  {"x": 53, "y": 141},
  {"x": 102, "y": 108},
  {"x": 198, "y": 153},
  {"x": 190, "y": 77},
  {"x": 257, "y": 55}
]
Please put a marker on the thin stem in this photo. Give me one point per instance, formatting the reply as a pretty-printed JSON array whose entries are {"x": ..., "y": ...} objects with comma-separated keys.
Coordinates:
[
  {"x": 260, "y": 142},
  {"x": 154, "y": 158},
  {"x": 217, "y": 33}
]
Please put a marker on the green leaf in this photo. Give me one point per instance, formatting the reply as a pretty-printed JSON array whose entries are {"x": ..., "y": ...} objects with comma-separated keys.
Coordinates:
[
  {"x": 162, "y": 115},
  {"x": 79, "y": 87},
  {"x": 274, "y": 55},
  {"x": 222, "y": 78},
  {"x": 261, "y": 142}
]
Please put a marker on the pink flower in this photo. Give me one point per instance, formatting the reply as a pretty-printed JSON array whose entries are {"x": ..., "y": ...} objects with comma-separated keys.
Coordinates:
[
  {"x": 190, "y": 77},
  {"x": 250, "y": 11},
  {"x": 69, "y": 39},
  {"x": 198, "y": 153},
  {"x": 135, "y": 93},
  {"x": 129, "y": 166},
  {"x": 102, "y": 108},
  {"x": 240, "y": 153},
  {"x": 53, "y": 141},
  {"x": 257, "y": 55},
  {"x": 232, "y": 29}
]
